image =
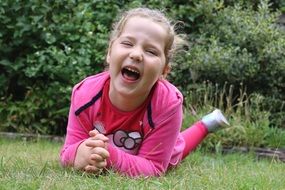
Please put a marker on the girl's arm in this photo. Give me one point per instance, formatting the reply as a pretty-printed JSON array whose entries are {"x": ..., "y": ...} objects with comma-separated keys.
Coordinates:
[{"x": 75, "y": 135}]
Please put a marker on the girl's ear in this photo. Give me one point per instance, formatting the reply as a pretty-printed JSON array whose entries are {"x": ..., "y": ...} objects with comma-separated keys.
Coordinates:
[
  {"x": 166, "y": 70},
  {"x": 108, "y": 57},
  {"x": 109, "y": 53}
]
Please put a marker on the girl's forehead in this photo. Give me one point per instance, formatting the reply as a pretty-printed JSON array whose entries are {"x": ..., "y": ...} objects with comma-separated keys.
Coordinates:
[
  {"x": 145, "y": 25},
  {"x": 141, "y": 20}
]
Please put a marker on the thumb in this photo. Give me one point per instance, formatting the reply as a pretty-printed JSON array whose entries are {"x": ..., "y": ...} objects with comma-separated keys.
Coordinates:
[{"x": 93, "y": 133}]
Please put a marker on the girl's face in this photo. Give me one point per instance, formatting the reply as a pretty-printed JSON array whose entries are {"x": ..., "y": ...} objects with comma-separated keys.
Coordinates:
[{"x": 136, "y": 58}]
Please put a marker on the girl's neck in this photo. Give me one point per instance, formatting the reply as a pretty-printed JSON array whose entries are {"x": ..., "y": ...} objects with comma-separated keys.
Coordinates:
[{"x": 126, "y": 103}]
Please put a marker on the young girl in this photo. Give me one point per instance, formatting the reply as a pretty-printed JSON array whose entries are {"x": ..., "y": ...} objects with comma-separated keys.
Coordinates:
[{"x": 129, "y": 118}]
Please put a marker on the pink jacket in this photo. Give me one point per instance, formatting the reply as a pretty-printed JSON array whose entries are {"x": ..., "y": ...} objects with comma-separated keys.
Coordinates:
[{"x": 162, "y": 146}]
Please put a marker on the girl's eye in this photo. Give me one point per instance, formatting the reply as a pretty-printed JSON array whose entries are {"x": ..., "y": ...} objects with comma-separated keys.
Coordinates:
[
  {"x": 152, "y": 52},
  {"x": 126, "y": 43}
]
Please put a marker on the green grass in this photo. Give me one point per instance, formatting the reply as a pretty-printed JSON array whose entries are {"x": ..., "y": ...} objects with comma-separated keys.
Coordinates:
[{"x": 35, "y": 165}]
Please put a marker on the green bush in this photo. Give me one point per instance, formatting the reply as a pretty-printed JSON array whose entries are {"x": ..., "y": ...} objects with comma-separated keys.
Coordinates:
[
  {"x": 238, "y": 45},
  {"x": 47, "y": 47}
]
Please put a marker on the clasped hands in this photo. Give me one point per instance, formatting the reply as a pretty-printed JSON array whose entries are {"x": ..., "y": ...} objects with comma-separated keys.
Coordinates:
[{"x": 92, "y": 154}]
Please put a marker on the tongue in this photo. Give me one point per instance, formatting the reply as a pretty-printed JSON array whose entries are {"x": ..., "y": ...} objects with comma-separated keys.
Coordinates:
[{"x": 130, "y": 76}]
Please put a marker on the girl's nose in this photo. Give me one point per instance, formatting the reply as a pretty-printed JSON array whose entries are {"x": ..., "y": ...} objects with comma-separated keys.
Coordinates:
[{"x": 136, "y": 55}]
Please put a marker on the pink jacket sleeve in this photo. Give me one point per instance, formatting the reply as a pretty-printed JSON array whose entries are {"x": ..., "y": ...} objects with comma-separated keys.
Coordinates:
[
  {"x": 155, "y": 153},
  {"x": 75, "y": 135}
]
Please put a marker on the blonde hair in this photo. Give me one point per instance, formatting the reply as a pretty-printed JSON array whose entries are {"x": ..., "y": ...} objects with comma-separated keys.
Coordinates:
[{"x": 174, "y": 41}]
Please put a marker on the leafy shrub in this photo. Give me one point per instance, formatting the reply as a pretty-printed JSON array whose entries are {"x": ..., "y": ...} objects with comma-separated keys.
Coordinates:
[
  {"x": 238, "y": 45},
  {"x": 47, "y": 47}
]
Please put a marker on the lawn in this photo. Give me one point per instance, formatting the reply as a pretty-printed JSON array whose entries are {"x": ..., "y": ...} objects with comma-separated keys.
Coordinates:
[{"x": 34, "y": 165}]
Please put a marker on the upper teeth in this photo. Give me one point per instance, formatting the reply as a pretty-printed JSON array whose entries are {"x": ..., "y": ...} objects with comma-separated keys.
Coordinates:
[{"x": 132, "y": 70}]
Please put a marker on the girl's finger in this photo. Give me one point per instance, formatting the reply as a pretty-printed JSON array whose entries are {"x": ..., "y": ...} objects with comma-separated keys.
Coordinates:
[
  {"x": 106, "y": 145},
  {"x": 100, "y": 137},
  {"x": 95, "y": 143},
  {"x": 97, "y": 157},
  {"x": 101, "y": 151},
  {"x": 91, "y": 169},
  {"x": 93, "y": 133},
  {"x": 101, "y": 165}
]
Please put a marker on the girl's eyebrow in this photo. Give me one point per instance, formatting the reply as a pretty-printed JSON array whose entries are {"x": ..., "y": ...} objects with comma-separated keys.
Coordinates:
[
  {"x": 128, "y": 37},
  {"x": 149, "y": 43}
]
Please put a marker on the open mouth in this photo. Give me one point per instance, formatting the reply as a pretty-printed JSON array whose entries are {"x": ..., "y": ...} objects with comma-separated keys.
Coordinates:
[{"x": 130, "y": 73}]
